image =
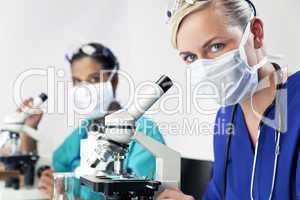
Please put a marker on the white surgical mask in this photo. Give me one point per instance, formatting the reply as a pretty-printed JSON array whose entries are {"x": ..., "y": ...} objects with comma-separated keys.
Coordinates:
[
  {"x": 230, "y": 74},
  {"x": 93, "y": 100}
]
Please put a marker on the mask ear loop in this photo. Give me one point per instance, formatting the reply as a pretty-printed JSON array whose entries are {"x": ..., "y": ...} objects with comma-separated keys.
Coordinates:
[
  {"x": 112, "y": 73},
  {"x": 243, "y": 42},
  {"x": 244, "y": 39}
]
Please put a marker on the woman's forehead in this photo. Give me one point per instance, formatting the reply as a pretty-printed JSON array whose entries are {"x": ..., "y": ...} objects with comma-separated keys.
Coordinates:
[
  {"x": 202, "y": 26},
  {"x": 85, "y": 66}
]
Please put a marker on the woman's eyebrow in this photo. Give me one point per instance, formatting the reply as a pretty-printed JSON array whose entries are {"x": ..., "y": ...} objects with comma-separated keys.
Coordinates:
[
  {"x": 184, "y": 53},
  {"x": 205, "y": 46},
  {"x": 210, "y": 41}
]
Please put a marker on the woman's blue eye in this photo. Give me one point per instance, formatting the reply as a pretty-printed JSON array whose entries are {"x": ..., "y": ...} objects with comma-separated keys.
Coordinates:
[
  {"x": 215, "y": 48},
  {"x": 190, "y": 58}
]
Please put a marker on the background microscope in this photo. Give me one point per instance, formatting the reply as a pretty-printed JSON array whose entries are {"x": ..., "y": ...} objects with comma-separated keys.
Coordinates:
[{"x": 16, "y": 163}]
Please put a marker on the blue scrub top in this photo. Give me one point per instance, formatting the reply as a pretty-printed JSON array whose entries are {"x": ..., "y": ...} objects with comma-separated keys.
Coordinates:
[
  {"x": 138, "y": 160},
  {"x": 241, "y": 155}
]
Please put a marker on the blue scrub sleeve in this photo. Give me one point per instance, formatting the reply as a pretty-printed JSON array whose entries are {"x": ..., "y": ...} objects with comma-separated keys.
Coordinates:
[
  {"x": 139, "y": 160},
  {"x": 214, "y": 189},
  {"x": 67, "y": 157}
]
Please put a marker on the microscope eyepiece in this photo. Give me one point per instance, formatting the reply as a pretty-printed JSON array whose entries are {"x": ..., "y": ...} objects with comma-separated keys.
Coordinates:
[
  {"x": 165, "y": 83},
  {"x": 43, "y": 96}
]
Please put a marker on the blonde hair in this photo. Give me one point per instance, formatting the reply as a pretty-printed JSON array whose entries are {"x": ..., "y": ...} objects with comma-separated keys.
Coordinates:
[{"x": 237, "y": 13}]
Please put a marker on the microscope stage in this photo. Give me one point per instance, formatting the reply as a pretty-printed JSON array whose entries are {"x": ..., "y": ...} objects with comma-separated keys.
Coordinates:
[{"x": 122, "y": 186}]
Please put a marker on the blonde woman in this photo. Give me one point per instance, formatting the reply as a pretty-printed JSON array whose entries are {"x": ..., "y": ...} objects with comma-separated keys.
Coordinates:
[{"x": 223, "y": 42}]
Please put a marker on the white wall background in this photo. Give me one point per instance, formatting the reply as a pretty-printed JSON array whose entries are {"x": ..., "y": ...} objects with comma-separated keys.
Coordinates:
[{"x": 37, "y": 34}]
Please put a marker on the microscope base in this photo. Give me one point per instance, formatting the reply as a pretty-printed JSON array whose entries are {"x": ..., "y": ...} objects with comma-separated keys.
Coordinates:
[{"x": 122, "y": 189}]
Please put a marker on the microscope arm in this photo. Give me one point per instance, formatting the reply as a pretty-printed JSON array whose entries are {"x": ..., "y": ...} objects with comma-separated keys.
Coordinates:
[{"x": 168, "y": 161}]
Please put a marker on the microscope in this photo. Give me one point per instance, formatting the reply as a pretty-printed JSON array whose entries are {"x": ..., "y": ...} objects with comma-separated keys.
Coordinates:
[
  {"x": 102, "y": 168},
  {"x": 14, "y": 160}
]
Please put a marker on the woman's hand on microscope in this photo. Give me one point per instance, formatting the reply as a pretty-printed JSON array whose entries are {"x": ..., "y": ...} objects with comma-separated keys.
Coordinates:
[
  {"x": 174, "y": 194},
  {"x": 33, "y": 120},
  {"x": 45, "y": 184}
]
